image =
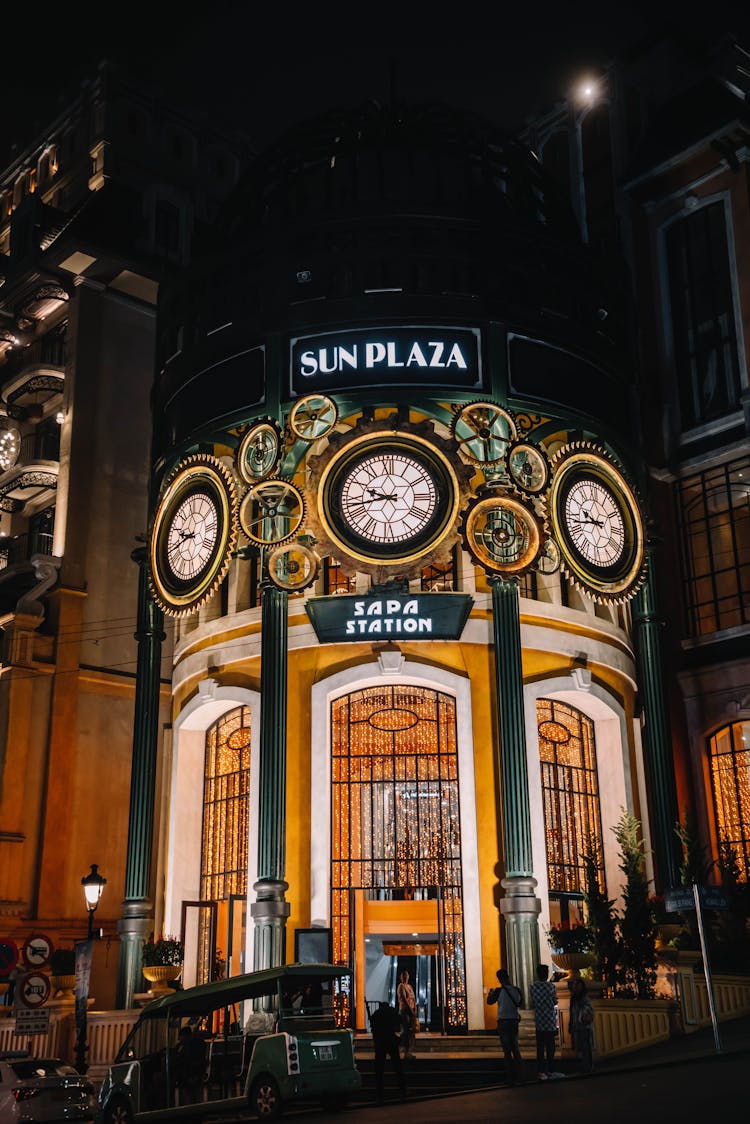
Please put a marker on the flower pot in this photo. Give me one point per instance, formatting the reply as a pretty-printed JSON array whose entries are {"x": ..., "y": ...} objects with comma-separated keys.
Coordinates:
[
  {"x": 666, "y": 933},
  {"x": 573, "y": 962},
  {"x": 159, "y": 975},
  {"x": 63, "y": 987}
]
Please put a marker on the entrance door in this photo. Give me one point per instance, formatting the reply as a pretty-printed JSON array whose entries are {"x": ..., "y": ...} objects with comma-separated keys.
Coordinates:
[
  {"x": 396, "y": 840},
  {"x": 198, "y": 936}
]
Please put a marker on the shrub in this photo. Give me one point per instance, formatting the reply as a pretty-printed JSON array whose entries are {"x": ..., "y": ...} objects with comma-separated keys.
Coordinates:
[
  {"x": 637, "y": 935},
  {"x": 167, "y": 950},
  {"x": 62, "y": 962},
  {"x": 570, "y": 938}
]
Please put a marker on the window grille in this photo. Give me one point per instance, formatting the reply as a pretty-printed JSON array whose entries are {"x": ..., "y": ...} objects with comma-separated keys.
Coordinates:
[{"x": 729, "y": 753}]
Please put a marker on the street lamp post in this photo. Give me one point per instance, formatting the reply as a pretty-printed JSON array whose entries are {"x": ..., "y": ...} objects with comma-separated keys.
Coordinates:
[{"x": 93, "y": 883}]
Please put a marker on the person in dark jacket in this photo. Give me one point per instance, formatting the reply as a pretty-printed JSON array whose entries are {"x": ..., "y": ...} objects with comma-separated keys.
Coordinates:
[
  {"x": 508, "y": 999},
  {"x": 385, "y": 1025}
]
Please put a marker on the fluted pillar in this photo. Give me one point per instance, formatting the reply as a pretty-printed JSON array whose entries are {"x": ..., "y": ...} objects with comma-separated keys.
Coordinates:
[
  {"x": 520, "y": 906},
  {"x": 137, "y": 908},
  {"x": 657, "y": 735},
  {"x": 270, "y": 909}
]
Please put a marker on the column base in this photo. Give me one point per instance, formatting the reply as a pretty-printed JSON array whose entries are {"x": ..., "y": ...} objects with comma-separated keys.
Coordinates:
[
  {"x": 521, "y": 908},
  {"x": 269, "y": 913},
  {"x": 133, "y": 927}
]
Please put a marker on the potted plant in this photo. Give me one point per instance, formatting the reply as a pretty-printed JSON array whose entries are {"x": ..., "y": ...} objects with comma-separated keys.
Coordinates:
[
  {"x": 162, "y": 961},
  {"x": 572, "y": 946},
  {"x": 62, "y": 964}
]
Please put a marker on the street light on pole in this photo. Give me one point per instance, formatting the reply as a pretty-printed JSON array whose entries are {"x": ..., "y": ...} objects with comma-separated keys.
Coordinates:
[
  {"x": 93, "y": 884},
  {"x": 583, "y": 100}
]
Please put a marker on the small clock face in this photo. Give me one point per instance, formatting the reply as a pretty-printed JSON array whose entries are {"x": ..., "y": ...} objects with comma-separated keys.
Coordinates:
[
  {"x": 388, "y": 498},
  {"x": 193, "y": 532},
  {"x": 528, "y": 467},
  {"x": 597, "y": 523},
  {"x": 259, "y": 451}
]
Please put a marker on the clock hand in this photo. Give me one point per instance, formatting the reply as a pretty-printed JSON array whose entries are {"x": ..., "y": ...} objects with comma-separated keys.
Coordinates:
[
  {"x": 379, "y": 495},
  {"x": 589, "y": 519}
]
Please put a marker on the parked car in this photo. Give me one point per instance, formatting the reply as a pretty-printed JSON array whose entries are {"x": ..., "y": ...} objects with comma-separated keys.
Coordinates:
[
  {"x": 261, "y": 1041},
  {"x": 42, "y": 1089}
]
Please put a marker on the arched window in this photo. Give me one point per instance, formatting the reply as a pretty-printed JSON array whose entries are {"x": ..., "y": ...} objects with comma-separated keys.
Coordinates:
[
  {"x": 226, "y": 798},
  {"x": 729, "y": 752},
  {"x": 570, "y": 797}
]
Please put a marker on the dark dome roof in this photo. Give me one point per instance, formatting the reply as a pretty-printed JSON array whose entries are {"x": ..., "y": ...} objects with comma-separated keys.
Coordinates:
[{"x": 428, "y": 159}]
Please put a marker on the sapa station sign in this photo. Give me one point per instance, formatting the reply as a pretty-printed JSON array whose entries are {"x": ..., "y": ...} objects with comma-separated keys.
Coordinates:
[
  {"x": 383, "y": 356},
  {"x": 424, "y": 616}
]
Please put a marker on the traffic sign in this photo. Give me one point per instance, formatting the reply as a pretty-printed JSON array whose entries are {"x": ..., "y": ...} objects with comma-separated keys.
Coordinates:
[
  {"x": 8, "y": 955},
  {"x": 29, "y": 1023},
  {"x": 33, "y": 989},
  {"x": 37, "y": 950}
]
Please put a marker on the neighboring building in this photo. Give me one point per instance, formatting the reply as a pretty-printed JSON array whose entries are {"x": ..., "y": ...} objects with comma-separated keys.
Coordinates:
[
  {"x": 93, "y": 214},
  {"x": 662, "y": 141}
]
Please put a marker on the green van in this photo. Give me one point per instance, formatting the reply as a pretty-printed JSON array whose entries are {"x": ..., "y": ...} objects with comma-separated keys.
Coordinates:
[{"x": 260, "y": 1040}]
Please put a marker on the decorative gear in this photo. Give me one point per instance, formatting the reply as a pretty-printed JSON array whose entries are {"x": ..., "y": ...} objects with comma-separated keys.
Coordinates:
[
  {"x": 313, "y": 416},
  {"x": 272, "y": 512},
  {"x": 549, "y": 559},
  {"x": 293, "y": 566},
  {"x": 483, "y": 432},
  {"x": 502, "y": 533}
]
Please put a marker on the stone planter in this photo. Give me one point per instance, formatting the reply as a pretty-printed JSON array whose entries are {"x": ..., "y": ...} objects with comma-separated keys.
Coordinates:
[
  {"x": 666, "y": 933},
  {"x": 63, "y": 987},
  {"x": 160, "y": 975},
  {"x": 573, "y": 962}
]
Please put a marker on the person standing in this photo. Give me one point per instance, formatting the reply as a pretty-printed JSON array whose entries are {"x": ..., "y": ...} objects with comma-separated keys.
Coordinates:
[
  {"x": 544, "y": 1002},
  {"x": 508, "y": 999},
  {"x": 385, "y": 1026},
  {"x": 407, "y": 1009},
  {"x": 581, "y": 1025}
]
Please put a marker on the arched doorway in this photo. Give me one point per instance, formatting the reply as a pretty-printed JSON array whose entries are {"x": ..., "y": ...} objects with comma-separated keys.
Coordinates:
[
  {"x": 396, "y": 872},
  {"x": 210, "y": 861}
]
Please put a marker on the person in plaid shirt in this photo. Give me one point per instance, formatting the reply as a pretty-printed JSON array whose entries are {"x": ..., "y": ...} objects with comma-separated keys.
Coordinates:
[{"x": 544, "y": 1002}]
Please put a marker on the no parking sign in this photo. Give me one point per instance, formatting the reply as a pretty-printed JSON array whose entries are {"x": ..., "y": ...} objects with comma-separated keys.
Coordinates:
[
  {"x": 32, "y": 990},
  {"x": 37, "y": 950}
]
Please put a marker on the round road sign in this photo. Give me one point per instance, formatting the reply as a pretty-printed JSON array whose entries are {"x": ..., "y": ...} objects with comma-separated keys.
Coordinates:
[
  {"x": 33, "y": 989},
  {"x": 37, "y": 950},
  {"x": 8, "y": 955}
]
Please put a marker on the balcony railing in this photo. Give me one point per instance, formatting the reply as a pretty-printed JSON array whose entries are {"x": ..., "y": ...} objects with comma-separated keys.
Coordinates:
[
  {"x": 40, "y": 447},
  {"x": 21, "y": 547}
]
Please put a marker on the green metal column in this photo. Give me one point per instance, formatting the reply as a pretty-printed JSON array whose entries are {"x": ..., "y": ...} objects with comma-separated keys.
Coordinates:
[
  {"x": 137, "y": 908},
  {"x": 657, "y": 733},
  {"x": 270, "y": 910},
  {"x": 520, "y": 906}
]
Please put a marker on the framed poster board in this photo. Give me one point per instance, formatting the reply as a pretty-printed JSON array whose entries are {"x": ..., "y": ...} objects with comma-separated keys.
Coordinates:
[{"x": 313, "y": 946}]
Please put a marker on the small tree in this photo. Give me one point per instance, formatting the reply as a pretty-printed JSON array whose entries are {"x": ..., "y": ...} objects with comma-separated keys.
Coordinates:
[
  {"x": 601, "y": 916},
  {"x": 636, "y": 925},
  {"x": 695, "y": 867},
  {"x": 730, "y": 929}
]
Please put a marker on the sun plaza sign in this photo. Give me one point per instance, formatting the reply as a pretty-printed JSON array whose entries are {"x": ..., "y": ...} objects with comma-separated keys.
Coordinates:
[
  {"x": 387, "y": 356},
  {"x": 423, "y": 616}
]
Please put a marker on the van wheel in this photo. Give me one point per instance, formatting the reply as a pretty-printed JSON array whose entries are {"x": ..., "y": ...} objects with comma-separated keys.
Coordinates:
[
  {"x": 117, "y": 1112},
  {"x": 265, "y": 1099}
]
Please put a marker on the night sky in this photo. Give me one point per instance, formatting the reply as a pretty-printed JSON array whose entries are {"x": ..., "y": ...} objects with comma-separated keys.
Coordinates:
[{"x": 263, "y": 68}]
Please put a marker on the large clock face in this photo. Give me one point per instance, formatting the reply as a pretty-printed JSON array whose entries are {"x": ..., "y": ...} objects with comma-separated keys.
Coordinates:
[
  {"x": 388, "y": 498},
  {"x": 193, "y": 533},
  {"x": 597, "y": 523}
]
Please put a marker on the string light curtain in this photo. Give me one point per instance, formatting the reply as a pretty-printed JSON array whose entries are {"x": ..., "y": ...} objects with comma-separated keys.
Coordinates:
[
  {"x": 226, "y": 802},
  {"x": 570, "y": 794},
  {"x": 729, "y": 752},
  {"x": 395, "y": 813}
]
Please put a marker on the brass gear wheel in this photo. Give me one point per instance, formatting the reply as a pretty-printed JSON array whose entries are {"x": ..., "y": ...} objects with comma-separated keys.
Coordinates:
[
  {"x": 483, "y": 430},
  {"x": 272, "y": 512},
  {"x": 293, "y": 566}
]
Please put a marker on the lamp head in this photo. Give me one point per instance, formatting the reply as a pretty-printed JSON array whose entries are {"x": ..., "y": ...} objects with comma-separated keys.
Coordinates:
[{"x": 93, "y": 884}]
